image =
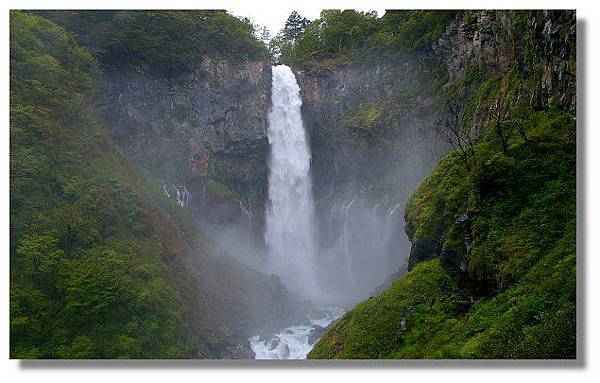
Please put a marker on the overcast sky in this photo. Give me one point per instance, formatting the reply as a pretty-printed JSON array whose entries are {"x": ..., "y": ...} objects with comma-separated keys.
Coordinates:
[{"x": 273, "y": 16}]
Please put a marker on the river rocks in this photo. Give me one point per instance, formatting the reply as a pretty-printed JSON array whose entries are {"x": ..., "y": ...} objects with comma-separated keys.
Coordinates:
[
  {"x": 274, "y": 343},
  {"x": 240, "y": 351}
]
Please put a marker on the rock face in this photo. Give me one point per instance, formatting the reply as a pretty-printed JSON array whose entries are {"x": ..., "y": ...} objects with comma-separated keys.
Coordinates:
[
  {"x": 365, "y": 119},
  {"x": 210, "y": 124},
  {"x": 369, "y": 121},
  {"x": 542, "y": 44},
  {"x": 371, "y": 124},
  {"x": 372, "y": 143},
  {"x": 421, "y": 250},
  {"x": 539, "y": 46}
]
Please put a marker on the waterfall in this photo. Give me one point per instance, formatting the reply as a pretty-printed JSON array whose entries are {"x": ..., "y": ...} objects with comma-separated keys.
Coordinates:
[{"x": 289, "y": 234}]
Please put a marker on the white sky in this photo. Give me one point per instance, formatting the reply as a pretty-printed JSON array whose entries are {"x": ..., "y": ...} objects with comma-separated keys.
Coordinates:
[{"x": 274, "y": 15}]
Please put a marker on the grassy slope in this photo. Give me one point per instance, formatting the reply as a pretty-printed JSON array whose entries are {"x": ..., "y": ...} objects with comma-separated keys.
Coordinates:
[
  {"x": 101, "y": 261},
  {"x": 520, "y": 270}
]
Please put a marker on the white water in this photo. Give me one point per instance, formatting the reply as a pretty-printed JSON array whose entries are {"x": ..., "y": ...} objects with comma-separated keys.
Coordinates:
[
  {"x": 359, "y": 238},
  {"x": 182, "y": 195},
  {"x": 293, "y": 342},
  {"x": 362, "y": 244},
  {"x": 289, "y": 234}
]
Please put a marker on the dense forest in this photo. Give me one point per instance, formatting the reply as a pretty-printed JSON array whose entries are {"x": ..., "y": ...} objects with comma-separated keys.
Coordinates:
[
  {"x": 471, "y": 112},
  {"x": 103, "y": 263}
]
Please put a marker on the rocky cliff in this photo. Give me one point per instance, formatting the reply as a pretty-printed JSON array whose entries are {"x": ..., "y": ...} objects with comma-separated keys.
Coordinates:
[
  {"x": 536, "y": 49},
  {"x": 492, "y": 267},
  {"x": 524, "y": 60},
  {"x": 203, "y": 134},
  {"x": 374, "y": 122},
  {"x": 364, "y": 120}
]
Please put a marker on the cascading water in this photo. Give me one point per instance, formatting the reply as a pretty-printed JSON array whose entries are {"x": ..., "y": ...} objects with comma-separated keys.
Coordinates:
[
  {"x": 290, "y": 215},
  {"x": 357, "y": 237},
  {"x": 290, "y": 222},
  {"x": 294, "y": 342}
]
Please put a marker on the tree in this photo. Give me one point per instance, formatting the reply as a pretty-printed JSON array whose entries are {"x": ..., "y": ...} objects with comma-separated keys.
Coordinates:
[
  {"x": 275, "y": 49},
  {"x": 282, "y": 47},
  {"x": 347, "y": 29},
  {"x": 503, "y": 127},
  {"x": 453, "y": 129},
  {"x": 294, "y": 26},
  {"x": 502, "y": 130}
]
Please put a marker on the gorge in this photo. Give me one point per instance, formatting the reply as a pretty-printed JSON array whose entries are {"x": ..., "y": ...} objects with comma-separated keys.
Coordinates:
[{"x": 179, "y": 189}]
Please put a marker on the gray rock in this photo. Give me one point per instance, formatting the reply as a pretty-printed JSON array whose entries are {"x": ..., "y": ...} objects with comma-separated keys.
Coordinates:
[
  {"x": 209, "y": 123},
  {"x": 422, "y": 250},
  {"x": 316, "y": 334}
]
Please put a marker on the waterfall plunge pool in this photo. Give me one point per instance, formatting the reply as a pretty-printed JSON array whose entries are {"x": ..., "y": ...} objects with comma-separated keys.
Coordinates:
[{"x": 294, "y": 342}]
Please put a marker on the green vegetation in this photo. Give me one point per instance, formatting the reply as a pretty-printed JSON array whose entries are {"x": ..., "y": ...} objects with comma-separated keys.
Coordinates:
[
  {"x": 94, "y": 244},
  {"x": 493, "y": 228},
  {"x": 363, "y": 124},
  {"x": 221, "y": 190},
  {"x": 167, "y": 42},
  {"x": 99, "y": 256},
  {"x": 343, "y": 36},
  {"x": 517, "y": 242}
]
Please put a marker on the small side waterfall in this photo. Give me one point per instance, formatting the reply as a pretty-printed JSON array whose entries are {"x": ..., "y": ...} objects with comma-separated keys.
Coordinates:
[{"x": 290, "y": 235}]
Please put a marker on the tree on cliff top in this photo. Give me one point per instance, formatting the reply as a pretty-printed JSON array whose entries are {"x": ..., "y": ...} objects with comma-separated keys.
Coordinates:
[
  {"x": 282, "y": 46},
  {"x": 294, "y": 27}
]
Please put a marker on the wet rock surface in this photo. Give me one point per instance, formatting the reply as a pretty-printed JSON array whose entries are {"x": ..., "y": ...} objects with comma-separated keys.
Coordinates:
[{"x": 211, "y": 123}]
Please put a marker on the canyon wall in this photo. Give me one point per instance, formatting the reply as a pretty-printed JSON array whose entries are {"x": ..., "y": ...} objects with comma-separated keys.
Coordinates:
[
  {"x": 522, "y": 60},
  {"x": 203, "y": 134}
]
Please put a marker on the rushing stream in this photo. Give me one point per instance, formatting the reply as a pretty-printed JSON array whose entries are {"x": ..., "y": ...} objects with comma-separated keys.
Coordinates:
[{"x": 294, "y": 342}]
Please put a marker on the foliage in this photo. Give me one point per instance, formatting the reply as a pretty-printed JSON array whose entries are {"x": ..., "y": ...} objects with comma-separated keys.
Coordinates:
[
  {"x": 168, "y": 42},
  {"x": 89, "y": 238},
  {"x": 221, "y": 190},
  {"x": 362, "y": 36},
  {"x": 283, "y": 44},
  {"x": 517, "y": 295},
  {"x": 364, "y": 124}
]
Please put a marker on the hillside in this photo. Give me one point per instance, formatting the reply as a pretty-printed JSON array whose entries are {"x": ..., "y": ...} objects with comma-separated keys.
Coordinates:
[
  {"x": 492, "y": 267},
  {"x": 437, "y": 164},
  {"x": 493, "y": 260},
  {"x": 103, "y": 263}
]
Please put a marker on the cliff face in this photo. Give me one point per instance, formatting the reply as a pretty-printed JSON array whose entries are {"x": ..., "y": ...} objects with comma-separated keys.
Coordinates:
[
  {"x": 372, "y": 142},
  {"x": 524, "y": 59},
  {"x": 372, "y": 123},
  {"x": 538, "y": 48},
  {"x": 203, "y": 133},
  {"x": 103, "y": 263},
  {"x": 492, "y": 267},
  {"x": 365, "y": 120}
]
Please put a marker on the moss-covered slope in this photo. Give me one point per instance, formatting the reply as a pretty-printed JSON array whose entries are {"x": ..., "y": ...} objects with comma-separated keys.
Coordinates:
[
  {"x": 88, "y": 245},
  {"x": 502, "y": 279},
  {"x": 103, "y": 264}
]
